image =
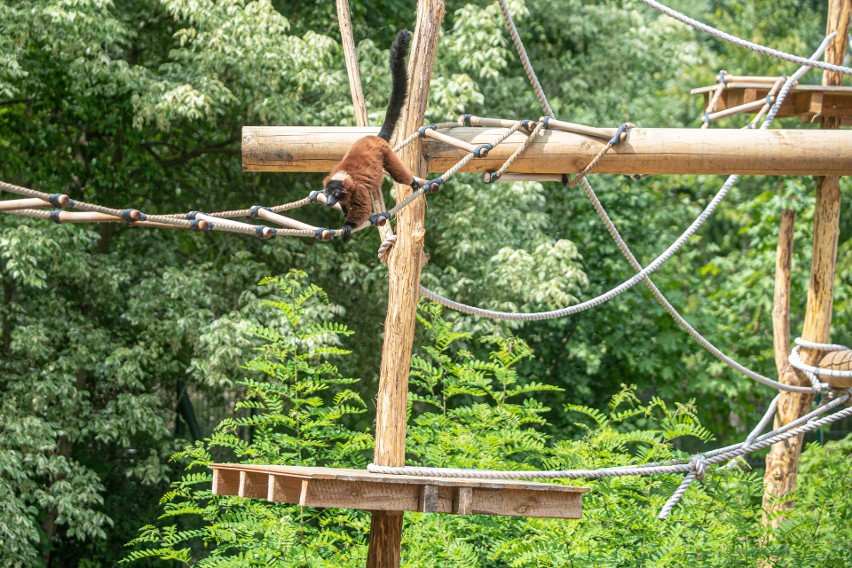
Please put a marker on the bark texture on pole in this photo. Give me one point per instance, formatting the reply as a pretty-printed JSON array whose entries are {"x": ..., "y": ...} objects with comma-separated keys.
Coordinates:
[
  {"x": 404, "y": 265},
  {"x": 783, "y": 459}
]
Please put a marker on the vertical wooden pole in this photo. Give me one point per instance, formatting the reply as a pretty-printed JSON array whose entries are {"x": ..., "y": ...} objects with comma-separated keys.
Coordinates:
[
  {"x": 404, "y": 267},
  {"x": 344, "y": 18},
  {"x": 782, "y": 462}
]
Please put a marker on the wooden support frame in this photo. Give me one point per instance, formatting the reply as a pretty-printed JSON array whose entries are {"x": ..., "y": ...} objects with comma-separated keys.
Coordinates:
[
  {"x": 359, "y": 489},
  {"x": 780, "y": 478},
  {"x": 646, "y": 151},
  {"x": 808, "y": 102}
]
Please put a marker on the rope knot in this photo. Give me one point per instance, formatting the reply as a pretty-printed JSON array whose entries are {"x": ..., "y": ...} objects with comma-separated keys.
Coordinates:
[
  {"x": 385, "y": 248},
  {"x": 312, "y": 196},
  {"x": 482, "y": 150},
  {"x": 255, "y": 208},
  {"x": 433, "y": 185},
  {"x": 698, "y": 464},
  {"x": 621, "y": 134},
  {"x": 380, "y": 218},
  {"x": 422, "y": 130}
]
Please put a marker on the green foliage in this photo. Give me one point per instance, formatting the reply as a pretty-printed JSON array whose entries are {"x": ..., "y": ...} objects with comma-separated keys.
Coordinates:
[
  {"x": 487, "y": 413},
  {"x": 295, "y": 411}
]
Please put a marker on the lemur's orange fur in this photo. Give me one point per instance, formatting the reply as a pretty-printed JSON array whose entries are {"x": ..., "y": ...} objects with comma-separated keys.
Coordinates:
[{"x": 362, "y": 168}]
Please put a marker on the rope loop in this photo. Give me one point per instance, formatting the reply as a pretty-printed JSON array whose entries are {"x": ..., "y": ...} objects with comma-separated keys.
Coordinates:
[
  {"x": 433, "y": 185},
  {"x": 264, "y": 232},
  {"x": 617, "y": 138},
  {"x": 482, "y": 150},
  {"x": 132, "y": 215},
  {"x": 422, "y": 130},
  {"x": 465, "y": 119},
  {"x": 59, "y": 200},
  {"x": 379, "y": 218},
  {"x": 254, "y": 209},
  {"x": 324, "y": 234},
  {"x": 528, "y": 124}
]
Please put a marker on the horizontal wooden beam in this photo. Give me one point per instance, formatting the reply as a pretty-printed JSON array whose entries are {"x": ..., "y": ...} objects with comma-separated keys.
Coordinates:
[
  {"x": 359, "y": 489},
  {"x": 646, "y": 151}
]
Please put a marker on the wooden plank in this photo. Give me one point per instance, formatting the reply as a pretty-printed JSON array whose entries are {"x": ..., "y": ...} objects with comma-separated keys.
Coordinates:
[
  {"x": 226, "y": 482},
  {"x": 358, "y": 489},
  {"x": 646, "y": 151},
  {"x": 463, "y": 501},
  {"x": 361, "y": 475},
  {"x": 524, "y": 503},
  {"x": 284, "y": 489},
  {"x": 369, "y": 496},
  {"x": 837, "y": 361},
  {"x": 254, "y": 484}
]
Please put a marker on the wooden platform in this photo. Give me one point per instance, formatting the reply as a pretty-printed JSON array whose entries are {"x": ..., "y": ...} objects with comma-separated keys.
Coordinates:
[
  {"x": 805, "y": 101},
  {"x": 360, "y": 489}
]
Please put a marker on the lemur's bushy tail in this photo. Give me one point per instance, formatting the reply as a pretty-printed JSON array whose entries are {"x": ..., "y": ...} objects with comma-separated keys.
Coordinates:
[{"x": 399, "y": 78}]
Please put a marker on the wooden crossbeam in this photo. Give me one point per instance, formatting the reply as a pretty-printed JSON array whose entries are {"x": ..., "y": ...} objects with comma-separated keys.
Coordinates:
[
  {"x": 646, "y": 151},
  {"x": 359, "y": 489}
]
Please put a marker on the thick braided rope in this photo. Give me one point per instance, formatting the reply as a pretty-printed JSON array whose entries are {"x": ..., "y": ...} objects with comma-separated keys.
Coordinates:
[
  {"x": 680, "y": 320},
  {"x": 797, "y": 363},
  {"x": 672, "y": 311},
  {"x": 620, "y": 471},
  {"x": 820, "y": 346},
  {"x": 744, "y": 43},
  {"x": 525, "y": 60},
  {"x": 699, "y": 465},
  {"x": 605, "y": 297}
]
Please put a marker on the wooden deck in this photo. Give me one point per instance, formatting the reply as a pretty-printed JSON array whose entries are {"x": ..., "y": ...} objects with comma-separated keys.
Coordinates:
[
  {"x": 808, "y": 102},
  {"x": 360, "y": 489}
]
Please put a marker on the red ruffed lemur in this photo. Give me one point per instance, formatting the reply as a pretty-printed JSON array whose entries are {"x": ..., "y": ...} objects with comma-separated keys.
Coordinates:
[{"x": 362, "y": 168}]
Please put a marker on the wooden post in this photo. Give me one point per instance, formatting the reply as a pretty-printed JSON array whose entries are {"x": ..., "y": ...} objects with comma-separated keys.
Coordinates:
[
  {"x": 344, "y": 18},
  {"x": 783, "y": 459},
  {"x": 404, "y": 265}
]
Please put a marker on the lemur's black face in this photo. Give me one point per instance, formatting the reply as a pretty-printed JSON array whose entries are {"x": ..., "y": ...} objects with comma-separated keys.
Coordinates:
[{"x": 334, "y": 192}]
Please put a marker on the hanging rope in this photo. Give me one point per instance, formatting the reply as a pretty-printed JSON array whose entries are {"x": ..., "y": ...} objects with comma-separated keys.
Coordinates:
[
  {"x": 700, "y": 26},
  {"x": 622, "y": 245},
  {"x": 525, "y": 60}
]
